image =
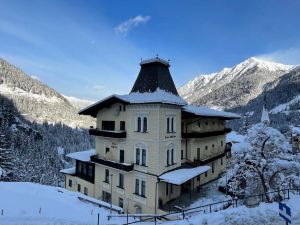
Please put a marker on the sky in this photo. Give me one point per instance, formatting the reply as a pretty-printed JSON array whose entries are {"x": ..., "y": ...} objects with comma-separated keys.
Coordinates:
[{"x": 91, "y": 49}]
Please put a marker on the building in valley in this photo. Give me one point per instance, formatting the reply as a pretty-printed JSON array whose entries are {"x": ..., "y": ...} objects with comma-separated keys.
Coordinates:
[{"x": 151, "y": 146}]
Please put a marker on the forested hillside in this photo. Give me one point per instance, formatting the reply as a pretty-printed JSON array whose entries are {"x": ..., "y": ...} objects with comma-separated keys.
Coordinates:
[{"x": 35, "y": 152}]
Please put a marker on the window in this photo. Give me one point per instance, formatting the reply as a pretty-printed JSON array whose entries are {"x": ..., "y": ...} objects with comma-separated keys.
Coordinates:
[
  {"x": 142, "y": 124},
  {"x": 171, "y": 188},
  {"x": 121, "y": 156},
  {"x": 198, "y": 153},
  {"x": 212, "y": 145},
  {"x": 143, "y": 157},
  {"x": 121, "y": 202},
  {"x": 140, "y": 187},
  {"x": 122, "y": 125},
  {"x": 121, "y": 180},
  {"x": 205, "y": 174},
  {"x": 90, "y": 171},
  {"x": 198, "y": 178},
  {"x": 124, "y": 107},
  {"x": 70, "y": 183},
  {"x": 221, "y": 160},
  {"x": 108, "y": 125},
  {"x": 181, "y": 154},
  {"x": 107, "y": 150},
  {"x": 168, "y": 157},
  {"x": 171, "y": 124},
  {"x": 172, "y": 156},
  {"x": 206, "y": 147},
  {"x": 84, "y": 169},
  {"x": 137, "y": 186},
  {"x": 168, "y": 124},
  {"x": 106, "y": 196},
  {"x": 199, "y": 124},
  {"x": 85, "y": 190},
  {"x": 139, "y": 124},
  {"x": 206, "y": 123},
  {"x": 78, "y": 188},
  {"x": 79, "y": 167},
  {"x": 222, "y": 143},
  {"x": 212, "y": 167},
  {"x": 120, "y": 108},
  {"x": 106, "y": 179},
  {"x": 137, "y": 156},
  {"x": 145, "y": 124},
  {"x": 143, "y": 190}
]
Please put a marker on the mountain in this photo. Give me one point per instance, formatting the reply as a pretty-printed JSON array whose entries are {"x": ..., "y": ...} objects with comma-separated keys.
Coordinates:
[
  {"x": 232, "y": 87},
  {"x": 38, "y": 102},
  {"x": 78, "y": 103},
  {"x": 246, "y": 87}
]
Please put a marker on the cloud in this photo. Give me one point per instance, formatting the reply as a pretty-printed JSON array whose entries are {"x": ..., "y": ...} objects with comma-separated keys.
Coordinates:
[
  {"x": 98, "y": 87},
  {"x": 131, "y": 23},
  {"x": 287, "y": 56}
]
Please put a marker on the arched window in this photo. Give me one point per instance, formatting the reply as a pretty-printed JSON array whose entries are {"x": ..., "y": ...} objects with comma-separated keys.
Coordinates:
[
  {"x": 168, "y": 124},
  {"x": 140, "y": 154}
]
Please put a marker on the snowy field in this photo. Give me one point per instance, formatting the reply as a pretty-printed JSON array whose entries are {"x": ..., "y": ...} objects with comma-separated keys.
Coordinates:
[
  {"x": 35, "y": 204},
  {"x": 21, "y": 204}
]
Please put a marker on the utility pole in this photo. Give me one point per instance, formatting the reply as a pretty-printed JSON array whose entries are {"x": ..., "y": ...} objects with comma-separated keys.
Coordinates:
[{"x": 111, "y": 181}]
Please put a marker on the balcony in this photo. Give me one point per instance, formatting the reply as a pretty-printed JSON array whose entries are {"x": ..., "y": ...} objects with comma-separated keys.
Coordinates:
[
  {"x": 205, "y": 134},
  {"x": 113, "y": 164},
  {"x": 209, "y": 159},
  {"x": 108, "y": 133}
]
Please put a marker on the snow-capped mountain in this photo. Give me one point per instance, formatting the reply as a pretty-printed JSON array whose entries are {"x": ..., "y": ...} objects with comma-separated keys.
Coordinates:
[
  {"x": 234, "y": 86},
  {"x": 36, "y": 101},
  {"x": 79, "y": 103}
]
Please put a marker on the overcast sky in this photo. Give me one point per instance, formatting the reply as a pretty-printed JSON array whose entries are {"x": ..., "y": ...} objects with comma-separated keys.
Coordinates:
[{"x": 91, "y": 49}]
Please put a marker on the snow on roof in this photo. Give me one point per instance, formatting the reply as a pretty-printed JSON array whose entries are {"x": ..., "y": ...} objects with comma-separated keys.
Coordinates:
[
  {"x": 70, "y": 171},
  {"x": 296, "y": 130},
  {"x": 180, "y": 176},
  {"x": 83, "y": 155},
  {"x": 153, "y": 97},
  {"x": 235, "y": 137},
  {"x": 265, "y": 116},
  {"x": 205, "y": 111}
]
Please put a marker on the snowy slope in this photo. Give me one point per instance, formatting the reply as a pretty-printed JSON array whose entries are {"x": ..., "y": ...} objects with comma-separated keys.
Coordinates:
[
  {"x": 29, "y": 203},
  {"x": 79, "y": 103},
  {"x": 36, "y": 101},
  {"x": 246, "y": 72}
]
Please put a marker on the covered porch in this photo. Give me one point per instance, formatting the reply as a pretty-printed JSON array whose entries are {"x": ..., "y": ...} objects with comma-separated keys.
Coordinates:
[{"x": 187, "y": 182}]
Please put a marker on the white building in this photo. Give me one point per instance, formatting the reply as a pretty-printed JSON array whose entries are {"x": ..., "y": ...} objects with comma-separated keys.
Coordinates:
[{"x": 151, "y": 146}]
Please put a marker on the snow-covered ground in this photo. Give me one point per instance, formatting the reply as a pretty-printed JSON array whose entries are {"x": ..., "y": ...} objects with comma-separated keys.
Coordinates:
[{"x": 34, "y": 204}]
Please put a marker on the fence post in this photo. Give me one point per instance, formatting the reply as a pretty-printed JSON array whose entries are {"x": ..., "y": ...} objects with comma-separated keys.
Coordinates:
[
  {"x": 40, "y": 210},
  {"x": 127, "y": 217},
  {"x": 288, "y": 193},
  {"x": 1, "y": 212},
  {"x": 183, "y": 216},
  {"x": 98, "y": 219},
  {"x": 209, "y": 208}
]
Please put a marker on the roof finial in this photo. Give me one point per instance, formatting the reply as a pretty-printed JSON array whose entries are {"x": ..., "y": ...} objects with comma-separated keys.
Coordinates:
[{"x": 156, "y": 55}]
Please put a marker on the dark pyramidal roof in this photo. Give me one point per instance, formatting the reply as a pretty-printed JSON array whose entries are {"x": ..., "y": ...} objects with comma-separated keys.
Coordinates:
[{"x": 154, "y": 74}]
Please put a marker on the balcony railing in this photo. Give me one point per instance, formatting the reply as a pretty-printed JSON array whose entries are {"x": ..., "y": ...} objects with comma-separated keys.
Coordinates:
[
  {"x": 107, "y": 133},
  {"x": 205, "y": 134},
  {"x": 113, "y": 164}
]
